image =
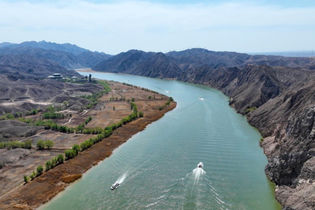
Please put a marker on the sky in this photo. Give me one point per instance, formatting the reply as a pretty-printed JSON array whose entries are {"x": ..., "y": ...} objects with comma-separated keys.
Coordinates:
[{"x": 163, "y": 25}]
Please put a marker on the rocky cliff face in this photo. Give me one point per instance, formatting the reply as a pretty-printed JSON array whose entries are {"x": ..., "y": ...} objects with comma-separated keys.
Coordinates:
[{"x": 277, "y": 95}]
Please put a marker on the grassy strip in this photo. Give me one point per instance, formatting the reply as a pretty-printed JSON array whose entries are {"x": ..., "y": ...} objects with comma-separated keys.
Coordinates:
[
  {"x": 11, "y": 116},
  {"x": 95, "y": 96},
  {"x": 16, "y": 144}
]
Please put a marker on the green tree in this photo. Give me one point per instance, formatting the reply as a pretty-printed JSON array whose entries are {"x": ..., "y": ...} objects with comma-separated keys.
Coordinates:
[
  {"x": 49, "y": 144},
  {"x": 76, "y": 149},
  {"x": 40, "y": 145},
  {"x": 26, "y": 179},
  {"x": 60, "y": 159},
  {"x": 69, "y": 153},
  {"x": 39, "y": 170},
  {"x": 48, "y": 165},
  {"x": 28, "y": 144},
  {"x": 33, "y": 175}
]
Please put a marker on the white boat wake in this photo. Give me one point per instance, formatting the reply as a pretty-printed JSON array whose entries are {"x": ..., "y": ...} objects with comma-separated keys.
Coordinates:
[{"x": 198, "y": 172}]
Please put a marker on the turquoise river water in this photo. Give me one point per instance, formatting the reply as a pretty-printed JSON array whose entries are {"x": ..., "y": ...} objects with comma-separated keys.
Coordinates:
[{"x": 156, "y": 168}]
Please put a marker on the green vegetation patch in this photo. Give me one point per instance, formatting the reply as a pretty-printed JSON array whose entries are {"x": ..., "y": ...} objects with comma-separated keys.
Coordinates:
[
  {"x": 76, "y": 149},
  {"x": 93, "y": 99},
  {"x": 250, "y": 109},
  {"x": 16, "y": 144},
  {"x": 170, "y": 99},
  {"x": 44, "y": 144}
]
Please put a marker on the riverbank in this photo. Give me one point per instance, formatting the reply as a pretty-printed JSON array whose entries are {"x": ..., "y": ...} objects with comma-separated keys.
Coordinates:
[{"x": 46, "y": 186}]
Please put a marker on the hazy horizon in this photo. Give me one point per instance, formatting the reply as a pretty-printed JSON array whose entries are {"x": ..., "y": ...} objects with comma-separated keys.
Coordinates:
[
  {"x": 260, "y": 26},
  {"x": 300, "y": 53}
]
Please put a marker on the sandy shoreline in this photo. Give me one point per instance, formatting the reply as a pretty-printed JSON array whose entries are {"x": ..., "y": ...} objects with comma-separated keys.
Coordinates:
[{"x": 45, "y": 187}]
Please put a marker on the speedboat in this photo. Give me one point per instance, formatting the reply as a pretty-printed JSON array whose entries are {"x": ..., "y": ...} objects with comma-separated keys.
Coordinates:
[
  {"x": 200, "y": 165},
  {"x": 114, "y": 186}
]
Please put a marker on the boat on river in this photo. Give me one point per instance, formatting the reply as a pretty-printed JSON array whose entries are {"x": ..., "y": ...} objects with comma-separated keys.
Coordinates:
[
  {"x": 115, "y": 186},
  {"x": 200, "y": 165}
]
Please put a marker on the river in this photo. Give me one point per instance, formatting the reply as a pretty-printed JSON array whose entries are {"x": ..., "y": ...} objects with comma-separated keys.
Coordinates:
[{"x": 156, "y": 166}]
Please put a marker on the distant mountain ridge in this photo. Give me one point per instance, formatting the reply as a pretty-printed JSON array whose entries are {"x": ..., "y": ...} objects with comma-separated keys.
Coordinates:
[
  {"x": 310, "y": 53},
  {"x": 194, "y": 58},
  {"x": 67, "y": 55}
]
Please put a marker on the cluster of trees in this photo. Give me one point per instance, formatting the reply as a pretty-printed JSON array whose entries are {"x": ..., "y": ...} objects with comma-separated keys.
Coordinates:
[
  {"x": 49, "y": 124},
  {"x": 117, "y": 99},
  {"x": 44, "y": 144},
  {"x": 71, "y": 153},
  {"x": 170, "y": 99},
  {"x": 10, "y": 116},
  {"x": 33, "y": 112},
  {"x": 49, "y": 165},
  {"x": 104, "y": 134},
  {"x": 16, "y": 144},
  {"x": 53, "y": 115}
]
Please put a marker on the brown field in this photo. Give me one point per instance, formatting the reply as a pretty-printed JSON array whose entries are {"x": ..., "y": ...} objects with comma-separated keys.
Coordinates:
[{"x": 46, "y": 186}]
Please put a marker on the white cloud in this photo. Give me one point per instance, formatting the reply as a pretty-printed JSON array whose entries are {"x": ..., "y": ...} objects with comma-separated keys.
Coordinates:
[{"x": 114, "y": 27}]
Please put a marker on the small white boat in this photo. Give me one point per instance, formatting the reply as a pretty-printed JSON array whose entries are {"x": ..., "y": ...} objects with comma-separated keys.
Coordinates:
[
  {"x": 200, "y": 165},
  {"x": 115, "y": 186}
]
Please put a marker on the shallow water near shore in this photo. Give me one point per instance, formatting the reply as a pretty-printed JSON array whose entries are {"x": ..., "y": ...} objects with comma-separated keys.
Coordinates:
[{"x": 157, "y": 168}]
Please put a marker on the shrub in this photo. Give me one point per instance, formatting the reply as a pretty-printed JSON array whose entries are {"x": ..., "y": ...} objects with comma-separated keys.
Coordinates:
[
  {"x": 53, "y": 115},
  {"x": 26, "y": 179},
  {"x": 16, "y": 144},
  {"x": 70, "y": 153},
  {"x": 39, "y": 170},
  {"x": 76, "y": 148},
  {"x": 48, "y": 165},
  {"x": 54, "y": 162},
  {"x": 32, "y": 112},
  {"x": 40, "y": 145},
  {"x": 49, "y": 144},
  {"x": 88, "y": 120},
  {"x": 140, "y": 114},
  {"x": 28, "y": 144},
  {"x": 33, "y": 175},
  {"x": 60, "y": 159}
]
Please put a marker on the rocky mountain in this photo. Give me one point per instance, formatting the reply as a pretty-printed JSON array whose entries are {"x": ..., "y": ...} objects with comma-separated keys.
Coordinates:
[
  {"x": 66, "y": 55},
  {"x": 27, "y": 66},
  {"x": 135, "y": 61},
  {"x": 277, "y": 94},
  {"x": 215, "y": 59}
]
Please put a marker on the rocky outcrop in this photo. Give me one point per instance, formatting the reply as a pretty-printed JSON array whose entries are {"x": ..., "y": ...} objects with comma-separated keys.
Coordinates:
[{"x": 277, "y": 95}]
